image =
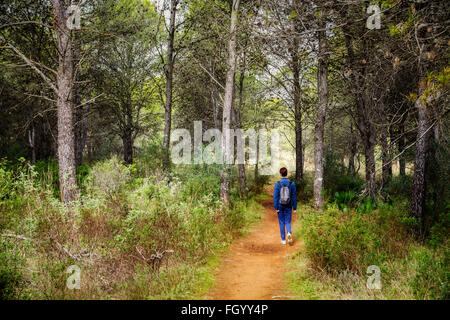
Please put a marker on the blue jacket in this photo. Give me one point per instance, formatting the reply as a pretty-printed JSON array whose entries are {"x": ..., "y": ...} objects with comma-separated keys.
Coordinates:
[{"x": 276, "y": 195}]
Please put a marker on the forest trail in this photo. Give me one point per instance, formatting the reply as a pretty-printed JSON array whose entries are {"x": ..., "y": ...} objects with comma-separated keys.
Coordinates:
[{"x": 254, "y": 266}]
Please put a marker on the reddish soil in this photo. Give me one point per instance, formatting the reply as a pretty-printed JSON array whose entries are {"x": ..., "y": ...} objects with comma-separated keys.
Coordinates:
[{"x": 254, "y": 265}]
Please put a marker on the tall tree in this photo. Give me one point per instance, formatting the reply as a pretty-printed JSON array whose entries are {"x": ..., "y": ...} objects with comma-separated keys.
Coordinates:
[
  {"x": 228, "y": 106},
  {"x": 169, "y": 83},
  {"x": 322, "y": 87},
  {"x": 64, "y": 105}
]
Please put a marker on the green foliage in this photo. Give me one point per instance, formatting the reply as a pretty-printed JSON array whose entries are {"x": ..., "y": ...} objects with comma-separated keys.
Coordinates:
[
  {"x": 256, "y": 186},
  {"x": 440, "y": 230},
  {"x": 107, "y": 177},
  {"x": 366, "y": 205},
  {"x": 11, "y": 278},
  {"x": 336, "y": 179},
  {"x": 336, "y": 240},
  {"x": 399, "y": 187},
  {"x": 48, "y": 174},
  {"x": 120, "y": 219},
  {"x": 149, "y": 158},
  {"x": 345, "y": 199},
  {"x": 432, "y": 279}
]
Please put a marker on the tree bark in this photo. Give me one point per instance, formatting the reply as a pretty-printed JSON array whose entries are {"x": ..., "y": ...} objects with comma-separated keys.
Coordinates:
[
  {"x": 128, "y": 136},
  {"x": 32, "y": 142},
  {"x": 127, "y": 140},
  {"x": 401, "y": 147},
  {"x": 227, "y": 106},
  {"x": 79, "y": 110},
  {"x": 351, "y": 157},
  {"x": 297, "y": 112},
  {"x": 418, "y": 188},
  {"x": 385, "y": 147},
  {"x": 293, "y": 47},
  {"x": 66, "y": 141},
  {"x": 169, "y": 85},
  {"x": 237, "y": 125},
  {"x": 322, "y": 86}
]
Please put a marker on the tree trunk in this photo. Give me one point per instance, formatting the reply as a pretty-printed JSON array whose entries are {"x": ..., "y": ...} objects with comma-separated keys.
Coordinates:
[
  {"x": 169, "y": 85},
  {"x": 214, "y": 103},
  {"x": 320, "y": 118},
  {"x": 66, "y": 141},
  {"x": 401, "y": 147},
  {"x": 236, "y": 125},
  {"x": 351, "y": 157},
  {"x": 385, "y": 153},
  {"x": 32, "y": 142},
  {"x": 127, "y": 140},
  {"x": 297, "y": 112},
  {"x": 364, "y": 123},
  {"x": 418, "y": 188},
  {"x": 79, "y": 123},
  {"x": 128, "y": 136},
  {"x": 257, "y": 154},
  {"x": 227, "y": 107},
  {"x": 369, "y": 152}
]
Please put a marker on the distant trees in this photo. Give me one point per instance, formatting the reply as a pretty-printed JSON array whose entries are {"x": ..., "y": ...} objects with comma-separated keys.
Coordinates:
[{"x": 375, "y": 98}]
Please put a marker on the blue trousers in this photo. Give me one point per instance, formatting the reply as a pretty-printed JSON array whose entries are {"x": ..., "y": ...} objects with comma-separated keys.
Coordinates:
[{"x": 284, "y": 219}]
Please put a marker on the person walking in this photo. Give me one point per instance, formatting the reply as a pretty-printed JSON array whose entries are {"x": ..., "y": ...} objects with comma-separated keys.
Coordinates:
[{"x": 285, "y": 203}]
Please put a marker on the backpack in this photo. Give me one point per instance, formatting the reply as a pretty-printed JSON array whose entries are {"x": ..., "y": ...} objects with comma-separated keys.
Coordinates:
[{"x": 285, "y": 194}]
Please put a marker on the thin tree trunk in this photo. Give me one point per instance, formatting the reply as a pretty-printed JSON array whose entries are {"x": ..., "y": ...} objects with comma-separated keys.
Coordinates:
[
  {"x": 214, "y": 103},
  {"x": 78, "y": 109},
  {"x": 351, "y": 158},
  {"x": 401, "y": 147},
  {"x": 236, "y": 125},
  {"x": 385, "y": 153},
  {"x": 127, "y": 137},
  {"x": 66, "y": 141},
  {"x": 369, "y": 152},
  {"x": 32, "y": 142},
  {"x": 322, "y": 86},
  {"x": 169, "y": 85},
  {"x": 127, "y": 140},
  {"x": 227, "y": 106},
  {"x": 257, "y": 153},
  {"x": 418, "y": 188},
  {"x": 297, "y": 112},
  {"x": 364, "y": 123},
  {"x": 293, "y": 47}
]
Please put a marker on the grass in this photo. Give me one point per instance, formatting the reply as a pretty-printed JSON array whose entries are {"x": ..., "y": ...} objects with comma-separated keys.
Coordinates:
[
  {"x": 421, "y": 273},
  {"x": 116, "y": 233}
]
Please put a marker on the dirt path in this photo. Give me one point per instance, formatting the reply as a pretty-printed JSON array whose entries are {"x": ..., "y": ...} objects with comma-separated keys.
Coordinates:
[{"x": 254, "y": 266}]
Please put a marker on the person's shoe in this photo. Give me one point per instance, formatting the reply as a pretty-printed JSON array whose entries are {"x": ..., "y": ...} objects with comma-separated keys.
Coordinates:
[
  {"x": 283, "y": 241},
  {"x": 290, "y": 239}
]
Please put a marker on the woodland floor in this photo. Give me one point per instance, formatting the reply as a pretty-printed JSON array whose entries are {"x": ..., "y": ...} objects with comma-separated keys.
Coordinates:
[{"x": 254, "y": 267}]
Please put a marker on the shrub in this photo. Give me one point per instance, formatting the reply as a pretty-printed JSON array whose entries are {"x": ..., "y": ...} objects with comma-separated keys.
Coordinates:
[
  {"x": 336, "y": 178},
  {"x": 345, "y": 199},
  {"x": 432, "y": 277},
  {"x": 338, "y": 241},
  {"x": 11, "y": 279},
  {"x": 107, "y": 177},
  {"x": 399, "y": 187},
  {"x": 256, "y": 186}
]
